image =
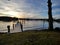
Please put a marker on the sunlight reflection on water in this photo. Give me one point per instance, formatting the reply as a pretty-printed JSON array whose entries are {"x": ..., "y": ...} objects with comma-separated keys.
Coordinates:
[{"x": 28, "y": 25}]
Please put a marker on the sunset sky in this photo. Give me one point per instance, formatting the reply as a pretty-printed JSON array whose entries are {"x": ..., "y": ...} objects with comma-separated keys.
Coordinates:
[{"x": 28, "y": 8}]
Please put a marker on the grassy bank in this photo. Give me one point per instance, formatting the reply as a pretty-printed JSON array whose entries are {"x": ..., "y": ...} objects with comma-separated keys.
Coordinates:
[{"x": 31, "y": 38}]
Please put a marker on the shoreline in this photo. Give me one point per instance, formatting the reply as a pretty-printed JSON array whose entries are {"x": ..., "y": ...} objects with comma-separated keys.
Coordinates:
[{"x": 31, "y": 30}]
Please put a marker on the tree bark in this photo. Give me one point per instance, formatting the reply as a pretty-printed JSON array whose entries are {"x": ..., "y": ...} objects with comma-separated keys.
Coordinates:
[{"x": 50, "y": 15}]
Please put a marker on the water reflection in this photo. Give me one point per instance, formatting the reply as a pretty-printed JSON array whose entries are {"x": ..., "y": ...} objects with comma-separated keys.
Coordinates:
[{"x": 28, "y": 24}]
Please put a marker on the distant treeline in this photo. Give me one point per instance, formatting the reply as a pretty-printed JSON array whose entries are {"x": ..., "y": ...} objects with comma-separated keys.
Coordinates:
[
  {"x": 57, "y": 20},
  {"x": 5, "y": 18}
]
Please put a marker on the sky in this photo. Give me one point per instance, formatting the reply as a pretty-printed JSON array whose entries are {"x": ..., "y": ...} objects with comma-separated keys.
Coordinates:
[{"x": 29, "y": 8}]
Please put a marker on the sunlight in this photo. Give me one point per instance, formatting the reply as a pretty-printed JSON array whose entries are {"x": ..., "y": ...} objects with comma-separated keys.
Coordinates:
[
  {"x": 12, "y": 13},
  {"x": 17, "y": 14},
  {"x": 22, "y": 14}
]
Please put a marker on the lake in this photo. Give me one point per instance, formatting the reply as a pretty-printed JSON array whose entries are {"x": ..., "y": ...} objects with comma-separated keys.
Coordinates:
[{"x": 28, "y": 25}]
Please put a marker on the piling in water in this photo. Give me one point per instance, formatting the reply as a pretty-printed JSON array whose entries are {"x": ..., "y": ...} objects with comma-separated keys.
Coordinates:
[{"x": 8, "y": 27}]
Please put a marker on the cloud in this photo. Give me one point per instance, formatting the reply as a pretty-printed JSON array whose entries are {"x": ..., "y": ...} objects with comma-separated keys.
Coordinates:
[
  {"x": 22, "y": 6},
  {"x": 56, "y": 10},
  {"x": 28, "y": 8},
  {"x": 56, "y": 16}
]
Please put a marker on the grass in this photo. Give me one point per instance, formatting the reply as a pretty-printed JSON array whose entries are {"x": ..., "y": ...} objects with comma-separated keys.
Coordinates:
[{"x": 31, "y": 38}]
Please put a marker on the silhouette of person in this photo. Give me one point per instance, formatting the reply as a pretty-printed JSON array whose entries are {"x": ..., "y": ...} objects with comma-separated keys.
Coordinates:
[
  {"x": 8, "y": 28},
  {"x": 21, "y": 27},
  {"x": 13, "y": 26}
]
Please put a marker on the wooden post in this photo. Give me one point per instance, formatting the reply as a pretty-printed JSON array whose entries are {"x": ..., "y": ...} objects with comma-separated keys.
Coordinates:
[{"x": 8, "y": 27}]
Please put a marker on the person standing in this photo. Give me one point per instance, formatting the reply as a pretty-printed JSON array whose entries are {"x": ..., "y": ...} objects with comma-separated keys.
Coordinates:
[
  {"x": 8, "y": 27},
  {"x": 13, "y": 26},
  {"x": 21, "y": 26}
]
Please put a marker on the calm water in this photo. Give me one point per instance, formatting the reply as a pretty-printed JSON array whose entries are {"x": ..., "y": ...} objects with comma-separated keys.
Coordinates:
[{"x": 28, "y": 25}]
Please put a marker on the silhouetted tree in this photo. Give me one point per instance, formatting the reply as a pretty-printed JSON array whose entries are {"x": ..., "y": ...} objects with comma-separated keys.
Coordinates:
[{"x": 50, "y": 15}]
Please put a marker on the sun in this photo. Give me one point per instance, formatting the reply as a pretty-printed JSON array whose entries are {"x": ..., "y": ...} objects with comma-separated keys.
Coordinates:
[{"x": 15, "y": 14}]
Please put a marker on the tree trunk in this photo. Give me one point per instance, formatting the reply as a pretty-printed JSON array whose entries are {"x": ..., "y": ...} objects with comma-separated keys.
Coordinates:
[{"x": 50, "y": 15}]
